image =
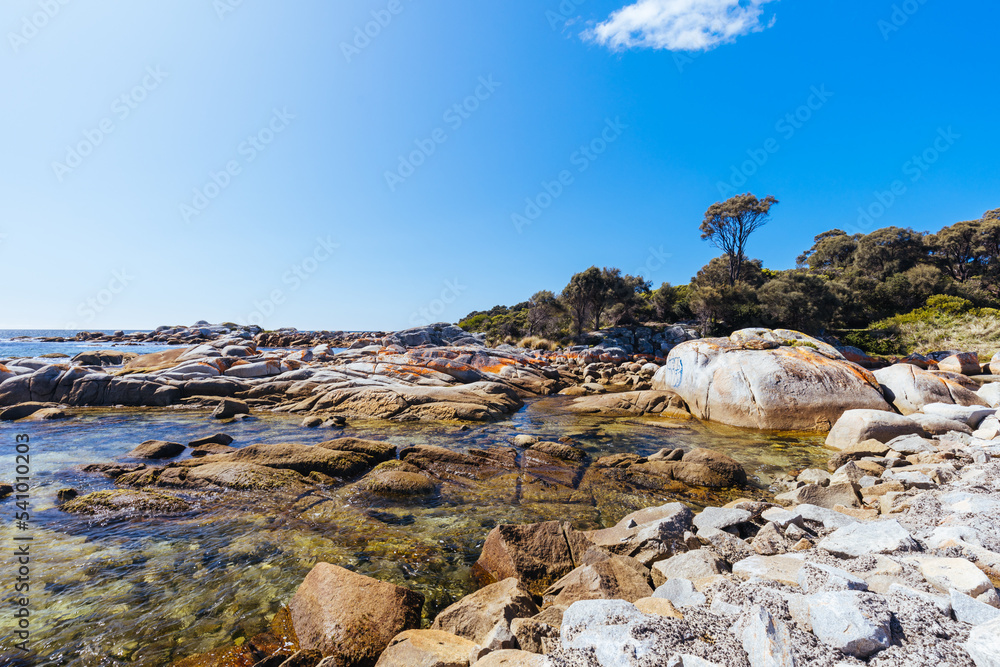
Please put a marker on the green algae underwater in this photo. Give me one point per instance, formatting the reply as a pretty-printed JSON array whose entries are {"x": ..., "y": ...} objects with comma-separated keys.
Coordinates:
[{"x": 153, "y": 590}]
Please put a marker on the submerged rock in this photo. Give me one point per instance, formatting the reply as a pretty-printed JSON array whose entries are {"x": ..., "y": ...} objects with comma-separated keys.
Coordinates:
[
  {"x": 157, "y": 449},
  {"x": 303, "y": 459},
  {"x": 126, "y": 501},
  {"x": 377, "y": 450},
  {"x": 229, "y": 408},
  {"x": 698, "y": 467},
  {"x": 398, "y": 483},
  {"x": 217, "y": 439},
  {"x": 22, "y": 410}
]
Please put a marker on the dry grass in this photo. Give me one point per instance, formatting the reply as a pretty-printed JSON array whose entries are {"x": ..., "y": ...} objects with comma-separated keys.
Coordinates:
[
  {"x": 538, "y": 343},
  {"x": 966, "y": 332}
]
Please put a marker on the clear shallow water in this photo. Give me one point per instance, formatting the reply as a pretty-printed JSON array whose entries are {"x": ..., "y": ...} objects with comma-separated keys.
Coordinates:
[
  {"x": 33, "y": 348},
  {"x": 146, "y": 592}
]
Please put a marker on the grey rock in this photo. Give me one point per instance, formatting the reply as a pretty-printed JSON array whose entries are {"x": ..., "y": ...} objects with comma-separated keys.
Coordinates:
[
  {"x": 803, "y": 515},
  {"x": 685, "y": 660},
  {"x": 970, "y": 415},
  {"x": 911, "y": 444},
  {"x": 691, "y": 565},
  {"x": 783, "y": 569},
  {"x": 766, "y": 640},
  {"x": 876, "y": 537},
  {"x": 910, "y": 479},
  {"x": 984, "y": 644},
  {"x": 680, "y": 592},
  {"x": 720, "y": 518},
  {"x": 648, "y": 535},
  {"x": 856, "y": 426},
  {"x": 613, "y": 633},
  {"x": 854, "y": 622},
  {"x": 970, "y": 610},
  {"x": 727, "y": 545},
  {"x": 819, "y": 578}
]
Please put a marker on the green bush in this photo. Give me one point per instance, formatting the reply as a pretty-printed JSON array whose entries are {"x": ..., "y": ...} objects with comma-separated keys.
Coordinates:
[
  {"x": 884, "y": 342},
  {"x": 952, "y": 305}
]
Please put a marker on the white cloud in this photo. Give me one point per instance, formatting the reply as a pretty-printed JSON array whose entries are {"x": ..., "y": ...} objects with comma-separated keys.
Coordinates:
[{"x": 680, "y": 25}]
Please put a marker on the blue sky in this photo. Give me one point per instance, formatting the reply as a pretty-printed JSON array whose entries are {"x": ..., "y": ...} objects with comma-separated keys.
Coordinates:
[{"x": 269, "y": 162}]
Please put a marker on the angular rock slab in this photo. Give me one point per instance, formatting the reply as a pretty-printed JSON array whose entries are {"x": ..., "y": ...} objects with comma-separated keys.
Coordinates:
[
  {"x": 536, "y": 554},
  {"x": 854, "y": 622},
  {"x": 876, "y": 537},
  {"x": 647, "y": 535},
  {"x": 475, "y": 615},
  {"x": 984, "y": 644},
  {"x": 766, "y": 640},
  {"x": 946, "y": 574},
  {"x": 720, "y": 518},
  {"x": 617, "y": 578},
  {"x": 426, "y": 648},
  {"x": 352, "y": 617}
]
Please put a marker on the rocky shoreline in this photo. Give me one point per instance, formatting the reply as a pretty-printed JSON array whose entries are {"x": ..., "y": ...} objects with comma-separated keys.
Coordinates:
[
  {"x": 889, "y": 557},
  {"x": 890, "y": 568},
  {"x": 897, "y": 568}
]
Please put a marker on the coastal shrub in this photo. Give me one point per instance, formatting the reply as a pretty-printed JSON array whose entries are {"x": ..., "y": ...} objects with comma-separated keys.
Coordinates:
[
  {"x": 537, "y": 343},
  {"x": 882, "y": 342},
  {"x": 949, "y": 304}
]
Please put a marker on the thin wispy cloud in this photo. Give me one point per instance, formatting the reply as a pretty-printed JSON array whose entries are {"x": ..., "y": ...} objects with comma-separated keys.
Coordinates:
[{"x": 680, "y": 25}]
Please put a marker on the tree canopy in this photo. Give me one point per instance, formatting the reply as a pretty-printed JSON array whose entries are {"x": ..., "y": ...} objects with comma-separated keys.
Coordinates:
[{"x": 729, "y": 224}]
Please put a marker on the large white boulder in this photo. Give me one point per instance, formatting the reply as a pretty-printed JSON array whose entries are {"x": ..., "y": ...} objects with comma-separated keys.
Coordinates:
[
  {"x": 768, "y": 380},
  {"x": 910, "y": 388}
]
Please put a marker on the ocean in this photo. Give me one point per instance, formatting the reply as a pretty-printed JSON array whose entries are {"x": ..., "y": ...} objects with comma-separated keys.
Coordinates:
[{"x": 10, "y": 349}]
